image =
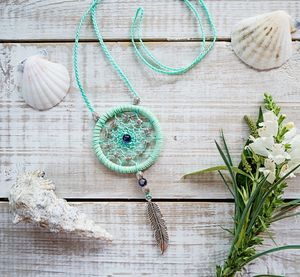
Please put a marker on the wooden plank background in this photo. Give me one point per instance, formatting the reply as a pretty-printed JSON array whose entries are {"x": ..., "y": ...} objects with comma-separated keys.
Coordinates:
[
  {"x": 192, "y": 108},
  {"x": 197, "y": 244},
  {"x": 163, "y": 20}
]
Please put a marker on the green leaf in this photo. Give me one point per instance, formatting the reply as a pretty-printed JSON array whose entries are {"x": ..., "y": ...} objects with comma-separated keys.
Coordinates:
[
  {"x": 260, "y": 116},
  {"x": 270, "y": 104},
  {"x": 277, "y": 218},
  {"x": 267, "y": 231},
  {"x": 227, "y": 230},
  {"x": 227, "y": 163},
  {"x": 284, "y": 210},
  {"x": 244, "y": 163},
  {"x": 275, "y": 249},
  {"x": 219, "y": 271},
  {"x": 226, "y": 148},
  {"x": 237, "y": 198},
  {"x": 226, "y": 184},
  {"x": 239, "y": 171},
  {"x": 246, "y": 210},
  {"x": 295, "y": 202},
  {"x": 206, "y": 170},
  {"x": 217, "y": 168},
  {"x": 262, "y": 201},
  {"x": 252, "y": 126}
]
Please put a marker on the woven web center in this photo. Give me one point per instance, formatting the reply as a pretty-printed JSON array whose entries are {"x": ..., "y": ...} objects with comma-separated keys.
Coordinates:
[{"x": 127, "y": 139}]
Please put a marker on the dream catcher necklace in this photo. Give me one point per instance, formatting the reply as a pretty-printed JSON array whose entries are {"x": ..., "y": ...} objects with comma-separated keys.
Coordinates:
[{"x": 128, "y": 139}]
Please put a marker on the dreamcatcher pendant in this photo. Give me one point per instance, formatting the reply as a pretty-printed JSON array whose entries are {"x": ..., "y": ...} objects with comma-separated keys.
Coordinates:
[{"x": 127, "y": 139}]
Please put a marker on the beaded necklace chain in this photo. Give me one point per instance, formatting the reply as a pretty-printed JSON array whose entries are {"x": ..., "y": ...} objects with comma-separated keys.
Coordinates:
[{"x": 128, "y": 139}]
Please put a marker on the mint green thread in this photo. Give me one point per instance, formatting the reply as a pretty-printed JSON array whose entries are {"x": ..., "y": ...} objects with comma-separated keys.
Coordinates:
[
  {"x": 135, "y": 156},
  {"x": 137, "y": 21},
  {"x": 104, "y": 134},
  {"x": 149, "y": 59},
  {"x": 156, "y": 65},
  {"x": 79, "y": 84},
  {"x": 107, "y": 52},
  {"x": 91, "y": 10}
]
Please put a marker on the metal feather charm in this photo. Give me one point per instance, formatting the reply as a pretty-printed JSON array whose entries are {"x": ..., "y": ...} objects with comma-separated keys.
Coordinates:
[
  {"x": 158, "y": 225},
  {"x": 155, "y": 216}
]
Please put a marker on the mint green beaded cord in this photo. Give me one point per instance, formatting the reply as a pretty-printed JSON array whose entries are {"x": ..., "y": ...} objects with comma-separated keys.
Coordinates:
[{"x": 123, "y": 161}]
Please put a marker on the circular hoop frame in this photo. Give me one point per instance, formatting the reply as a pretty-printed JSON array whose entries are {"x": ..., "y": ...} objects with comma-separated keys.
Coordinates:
[{"x": 127, "y": 169}]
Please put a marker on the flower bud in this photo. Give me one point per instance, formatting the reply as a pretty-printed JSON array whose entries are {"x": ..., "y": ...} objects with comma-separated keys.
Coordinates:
[
  {"x": 290, "y": 125},
  {"x": 281, "y": 119}
]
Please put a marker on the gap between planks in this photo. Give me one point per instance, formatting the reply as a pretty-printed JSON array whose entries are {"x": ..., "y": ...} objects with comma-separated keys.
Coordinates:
[
  {"x": 209, "y": 39},
  {"x": 133, "y": 200},
  {"x": 225, "y": 39},
  {"x": 101, "y": 200}
]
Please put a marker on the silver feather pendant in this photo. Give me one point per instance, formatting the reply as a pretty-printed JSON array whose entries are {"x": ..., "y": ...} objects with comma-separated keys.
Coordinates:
[
  {"x": 158, "y": 225},
  {"x": 155, "y": 216}
]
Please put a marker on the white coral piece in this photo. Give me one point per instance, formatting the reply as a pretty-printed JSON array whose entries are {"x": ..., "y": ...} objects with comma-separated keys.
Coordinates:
[{"x": 32, "y": 199}]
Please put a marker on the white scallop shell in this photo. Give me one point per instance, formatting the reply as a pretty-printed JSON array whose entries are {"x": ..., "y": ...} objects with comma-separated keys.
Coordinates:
[
  {"x": 44, "y": 83},
  {"x": 264, "y": 41}
]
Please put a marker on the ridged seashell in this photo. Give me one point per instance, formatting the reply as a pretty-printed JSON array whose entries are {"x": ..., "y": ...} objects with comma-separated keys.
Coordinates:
[
  {"x": 32, "y": 199},
  {"x": 44, "y": 83},
  {"x": 264, "y": 41}
]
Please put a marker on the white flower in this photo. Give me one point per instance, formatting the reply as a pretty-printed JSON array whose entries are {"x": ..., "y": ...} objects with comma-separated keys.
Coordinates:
[
  {"x": 295, "y": 142},
  {"x": 261, "y": 145},
  {"x": 267, "y": 131},
  {"x": 285, "y": 170},
  {"x": 269, "y": 116},
  {"x": 290, "y": 135},
  {"x": 295, "y": 153},
  {"x": 269, "y": 170},
  {"x": 269, "y": 127},
  {"x": 278, "y": 153}
]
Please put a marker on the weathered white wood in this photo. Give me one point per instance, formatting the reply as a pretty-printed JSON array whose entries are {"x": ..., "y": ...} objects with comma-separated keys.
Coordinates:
[
  {"x": 192, "y": 108},
  {"x": 168, "y": 19},
  {"x": 197, "y": 244}
]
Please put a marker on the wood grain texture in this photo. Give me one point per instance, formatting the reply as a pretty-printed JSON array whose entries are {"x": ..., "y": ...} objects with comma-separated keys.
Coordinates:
[
  {"x": 197, "y": 244},
  {"x": 192, "y": 109},
  {"x": 168, "y": 19}
]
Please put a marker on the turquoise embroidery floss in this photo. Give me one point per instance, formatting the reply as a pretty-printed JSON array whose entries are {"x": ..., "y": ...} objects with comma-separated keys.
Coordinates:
[
  {"x": 152, "y": 62},
  {"x": 128, "y": 139}
]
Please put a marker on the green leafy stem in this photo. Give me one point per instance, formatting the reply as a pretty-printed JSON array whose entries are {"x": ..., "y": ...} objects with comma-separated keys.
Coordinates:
[{"x": 257, "y": 203}]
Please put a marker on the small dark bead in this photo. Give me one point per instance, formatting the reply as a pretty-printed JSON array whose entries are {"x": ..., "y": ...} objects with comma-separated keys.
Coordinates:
[
  {"x": 142, "y": 182},
  {"x": 127, "y": 138}
]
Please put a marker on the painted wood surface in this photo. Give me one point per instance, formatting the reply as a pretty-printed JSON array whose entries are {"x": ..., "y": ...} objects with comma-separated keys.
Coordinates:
[
  {"x": 168, "y": 19},
  {"x": 197, "y": 244},
  {"x": 192, "y": 109}
]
